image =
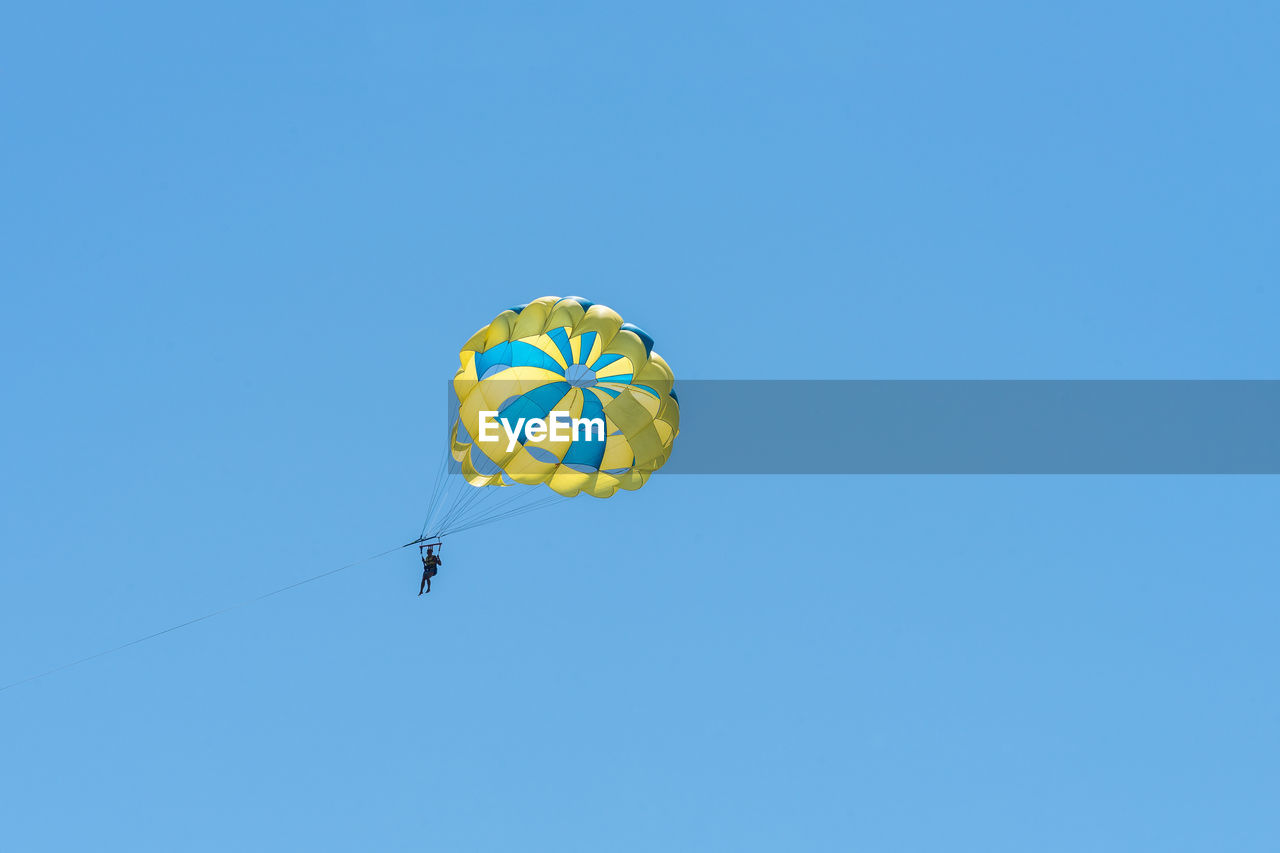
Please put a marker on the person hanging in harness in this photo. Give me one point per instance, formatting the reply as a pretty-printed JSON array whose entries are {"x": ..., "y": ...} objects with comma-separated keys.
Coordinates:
[{"x": 429, "y": 564}]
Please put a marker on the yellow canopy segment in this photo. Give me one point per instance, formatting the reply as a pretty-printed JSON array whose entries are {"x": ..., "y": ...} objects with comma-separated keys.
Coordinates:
[{"x": 570, "y": 364}]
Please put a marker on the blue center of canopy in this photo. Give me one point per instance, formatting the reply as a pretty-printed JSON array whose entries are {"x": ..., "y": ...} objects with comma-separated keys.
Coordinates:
[{"x": 580, "y": 376}]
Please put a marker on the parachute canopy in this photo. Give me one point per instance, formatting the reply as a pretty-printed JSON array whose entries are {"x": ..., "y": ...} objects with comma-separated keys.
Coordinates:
[{"x": 563, "y": 359}]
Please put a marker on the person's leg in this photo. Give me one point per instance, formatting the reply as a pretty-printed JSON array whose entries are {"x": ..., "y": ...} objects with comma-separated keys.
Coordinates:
[
  {"x": 428, "y": 584},
  {"x": 422, "y": 585}
]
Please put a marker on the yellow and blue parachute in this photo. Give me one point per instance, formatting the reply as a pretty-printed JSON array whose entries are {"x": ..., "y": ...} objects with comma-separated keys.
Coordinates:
[
  {"x": 568, "y": 355},
  {"x": 571, "y": 356}
]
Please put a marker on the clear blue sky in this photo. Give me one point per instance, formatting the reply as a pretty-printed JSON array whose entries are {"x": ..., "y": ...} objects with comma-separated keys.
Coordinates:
[{"x": 240, "y": 245}]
